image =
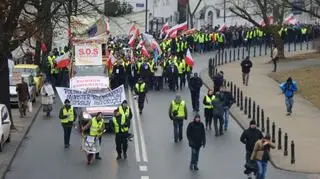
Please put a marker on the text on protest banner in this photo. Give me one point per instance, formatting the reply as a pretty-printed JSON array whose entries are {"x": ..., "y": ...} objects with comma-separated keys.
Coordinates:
[
  {"x": 88, "y": 54},
  {"x": 89, "y": 82},
  {"x": 85, "y": 99}
]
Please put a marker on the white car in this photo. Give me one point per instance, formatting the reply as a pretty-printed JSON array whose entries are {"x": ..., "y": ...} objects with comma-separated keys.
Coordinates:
[{"x": 4, "y": 126}]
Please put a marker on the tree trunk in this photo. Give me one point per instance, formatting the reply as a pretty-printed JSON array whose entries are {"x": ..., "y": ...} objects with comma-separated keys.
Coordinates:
[
  {"x": 37, "y": 53},
  {"x": 280, "y": 45},
  {"x": 4, "y": 78}
]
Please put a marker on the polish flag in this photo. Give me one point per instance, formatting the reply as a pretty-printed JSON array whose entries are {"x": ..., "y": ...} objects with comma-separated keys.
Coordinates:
[
  {"x": 43, "y": 47},
  {"x": 111, "y": 61},
  {"x": 155, "y": 45},
  {"x": 107, "y": 25},
  {"x": 178, "y": 27},
  {"x": 174, "y": 34},
  {"x": 63, "y": 60},
  {"x": 222, "y": 28},
  {"x": 270, "y": 21},
  {"x": 189, "y": 60},
  {"x": 164, "y": 29},
  {"x": 145, "y": 52},
  {"x": 141, "y": 43},
  {"x": 132, "y": 40},
  {"x": 133, "y": 30},
  {"x": 290, "y": 20}
]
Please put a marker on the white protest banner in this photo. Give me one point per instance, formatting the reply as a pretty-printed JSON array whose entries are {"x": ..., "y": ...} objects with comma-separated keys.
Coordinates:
[
  {"x": 89, "y": 82},
  {"x": 85, "y": 99},
  {"x": 49, "y": 90},
  {"x": 88, "y": 54}
]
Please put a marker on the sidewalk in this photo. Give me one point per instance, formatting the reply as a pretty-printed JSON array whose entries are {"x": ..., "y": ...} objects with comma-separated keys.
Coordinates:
[
  {"x": 22, "y": 127},
  {"x": 302, "y": 126}
]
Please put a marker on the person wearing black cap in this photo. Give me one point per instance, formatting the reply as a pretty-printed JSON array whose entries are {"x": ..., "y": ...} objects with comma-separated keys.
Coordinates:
[
  {"x": 195, "y": 85},
  {"x": 124, "y": 109},
  {"x": 141, "y": 90},
  {"x": 197, "y": 137},
  {"x": 67, "y": 115},
  {"x": 249, "y": 137}
]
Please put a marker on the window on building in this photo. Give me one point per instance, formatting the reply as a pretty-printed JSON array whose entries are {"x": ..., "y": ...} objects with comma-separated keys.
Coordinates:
[{"x": 218, "y": 13}]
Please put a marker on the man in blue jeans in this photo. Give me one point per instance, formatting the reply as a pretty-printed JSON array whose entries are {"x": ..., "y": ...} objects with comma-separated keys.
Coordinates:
[
  {"x": 288, "y": 89},
  {"x": 228, "y": 101},
  {"x": 197, "y": 138}
]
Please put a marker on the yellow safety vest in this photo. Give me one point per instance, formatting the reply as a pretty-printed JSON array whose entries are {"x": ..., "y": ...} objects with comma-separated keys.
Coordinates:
[
  {"x": 209, "y": 100},
  {"x": 151, "y": 66},
  {"x": 126, "y": 113},
  {"x": 181, "y": 67},
  {"x": 96, "y": 126},
  {"x": 69, "y": 113},
  {"x": 117, "y": 126},
  {"x": 180, "y": 108},
  {"x": 140, "y": 88}
]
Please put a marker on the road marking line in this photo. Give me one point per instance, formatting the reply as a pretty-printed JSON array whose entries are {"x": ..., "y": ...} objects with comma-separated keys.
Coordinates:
[
  {"x": 144, "y": 177},
  {"x": 135, "y": 132},
  {"x": 143, "y": 144},
  {"x": 143, "y": 168}
]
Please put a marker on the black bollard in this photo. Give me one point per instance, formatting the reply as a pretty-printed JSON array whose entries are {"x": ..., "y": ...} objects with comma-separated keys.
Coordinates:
[
  {"x": 254, "y": 51},
  {"x": 254, "y": 110},
  {"x": 285, "y": 153},
  {"x": 226, "y": 57},
  {"x": 234, "y": 91},
  {"x": 279, "y": 138},
  {"x": 216, "y": 58},
  {"x": 271, "y": 51},
  {"x": 245, "y": 105},
  {"x": 268, "y": 125},
  {"x": 241, "y": 100},
  {"x": 216, "y": 71},
  {"x": 238, "y": 53},
  {"x": 260, "y": 47},
  {"x": 238, "y": 97},
  {"x": 243, "y": 52},
  {"x": 273, "y": 136},
  {"x": 265, "y": 49},
  {"x": 228, "y": 84},
  {"x": 231, "y": 87},
  {"x": 258, "y": 116},
  {"x": 289, "y": 45},
  {"x": 293, "y": 158},
  {"x": 230, "y": 56},
  {"x": 295, "y": 46},
  {"x": 262, "y": 120},
  {"x": 222, "y": 57},
  {"x": 249, "y": 108},
  {"x": 219, "y": 59},
  {"x": 234, "y": 54},
  {"x": 224, "y": 83},
  {"x": 301, "y": 45},
  {"x": 307, "y": 45}
]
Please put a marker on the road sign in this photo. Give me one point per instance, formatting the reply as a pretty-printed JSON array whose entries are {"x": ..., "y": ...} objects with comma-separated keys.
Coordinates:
[{"x": 139, "y": 5}]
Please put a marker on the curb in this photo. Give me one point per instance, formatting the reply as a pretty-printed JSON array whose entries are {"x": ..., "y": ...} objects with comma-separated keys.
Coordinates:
[
  {"x": 243, "y": 128},
  {"x": 20, "y": 142}
]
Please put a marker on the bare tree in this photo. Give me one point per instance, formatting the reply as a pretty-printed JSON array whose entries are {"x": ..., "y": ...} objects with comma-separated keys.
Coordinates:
[
  {"x": 306, "y": 7},
  {"x": 262, "y": 9},
  {"x": 191, "y": 14}
]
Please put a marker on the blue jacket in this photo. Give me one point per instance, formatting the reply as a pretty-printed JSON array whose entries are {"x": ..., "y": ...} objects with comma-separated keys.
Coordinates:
[{"x": 288, "y": 90}]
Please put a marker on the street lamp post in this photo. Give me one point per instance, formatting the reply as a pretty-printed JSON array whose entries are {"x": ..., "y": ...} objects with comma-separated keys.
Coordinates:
[{"x": 146, "y": 18}]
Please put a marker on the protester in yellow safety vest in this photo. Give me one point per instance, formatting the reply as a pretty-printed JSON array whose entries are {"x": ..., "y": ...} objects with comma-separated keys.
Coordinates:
[
  {"x": 121, "y": 129},
  {"x": 181, "y": 69},
  {"x": 208, "y": 108},
  {"x": 67, "y": 115},
  {"x": 141, "y": 90},
  {"x": 97, "y": 127},
  {"x": 177, "y": 113},
  {"x": 124, "y": 109}
]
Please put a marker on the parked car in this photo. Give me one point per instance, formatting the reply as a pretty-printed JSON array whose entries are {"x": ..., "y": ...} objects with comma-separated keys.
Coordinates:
[
  {"x": 4, "y": 126},
  {"x": 14, "y": 95},
  {"x": 34, "y": 70}
]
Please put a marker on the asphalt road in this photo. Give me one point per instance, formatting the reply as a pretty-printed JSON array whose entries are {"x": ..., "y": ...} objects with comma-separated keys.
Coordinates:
[{"x": 153, "y": 154}]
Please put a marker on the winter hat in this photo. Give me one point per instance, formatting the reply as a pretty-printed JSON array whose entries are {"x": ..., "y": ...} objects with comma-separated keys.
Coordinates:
[
  {"x": 196, "y": 116},
  {"x": 252, "y": 122}
]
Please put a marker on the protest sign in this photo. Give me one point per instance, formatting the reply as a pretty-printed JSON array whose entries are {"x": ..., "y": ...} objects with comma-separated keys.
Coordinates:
[
  {"x": 85, "y": 99},
  {"x": 89, "y": 82},
  {"x": 88, "y": 54},
  {"x": 16, "y": 78}
]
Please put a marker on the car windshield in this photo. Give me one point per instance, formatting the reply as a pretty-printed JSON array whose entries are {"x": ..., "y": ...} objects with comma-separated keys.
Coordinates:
[
  {"x": 90, "y": 70},
  {"x": 28, "y": 71}
]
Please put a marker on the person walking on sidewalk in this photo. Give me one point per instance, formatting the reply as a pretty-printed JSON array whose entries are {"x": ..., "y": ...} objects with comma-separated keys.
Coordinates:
[
  {"x": 246, "y": 66},
  {"x": 261, "y": 154},
  {"x": 121, "y": 130},
  {"x": 249, "y": 137},
  {"x": 197, "y": 137},
  {"x": 195, "y": 87},
  {"x": 208, "y": 108},
  {"x": 218, "y": 82},
  {"x": 177, "y": 113},
  {"x": 67, "y": 115},
  {"x": 23, "y": 97},
  {"x": 141, "y": 90},
  {"x": 47, "y": 95},
  {"x": 275, "y": 57},
  {"x": 228, "y": 101},
  {"x": 288, "y": 89},
  {"x": 218, "y": 110}
]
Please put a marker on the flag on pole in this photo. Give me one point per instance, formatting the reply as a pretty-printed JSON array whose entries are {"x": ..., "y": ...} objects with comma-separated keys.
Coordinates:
[
  {"x": 176, "y": 28},
  {"x": 141, "y": 43},
  {"x": 189, "y": 60},
  {"x": 111, "y": 61},
  {"x": 222, "y": 28},
  {"x": 291, "y": 19},
  {"x": 43, "y": 47},
  {"x": 145, "y": 52},
  {"x": 164, "y": 29},
  {"x": 63, "y": 60},
  {"x": 174, "y": 34},
  {"x": 270, "y": 21}
]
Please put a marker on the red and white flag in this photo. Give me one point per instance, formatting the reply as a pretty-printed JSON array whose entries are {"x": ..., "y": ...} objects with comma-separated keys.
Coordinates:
[
  {"x": 222, "y": 28},
  {"x": 106, "y": 20},
  {"x": 133, "y": 30},
  {"x": 189, "y": 60},
  {"x": 132, "y": 40},
  {"x": 164, "y": 29},
  {"x": 111, "y": 61},
  {"x": 270, "y": 21},
  {"x": 174, "y": 34},
  {"x": 145, "y": 52},
  {"x": 43, "y": 47},
  {"x": 63, "y": 61},
  {"x": 178, "y": 27},
  {"x": 291, "y": 19},
  {"x": 141, "y": 43}
]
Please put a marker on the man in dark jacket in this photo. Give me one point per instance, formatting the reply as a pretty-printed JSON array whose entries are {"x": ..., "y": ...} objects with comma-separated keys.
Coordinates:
[
  {"x": 246, "y": 65},
  {"x": 249, "y": 137},
  {"x": 218, "y": 110},
  {"x": 118, "y": 74},
  {"x": 228, "y": 101},
  {"x": 218, "y": 82},
  {"x": 195, "y": 86},
  {"x": 197, "y": 138},
  {"x": 23, "y": 97}
]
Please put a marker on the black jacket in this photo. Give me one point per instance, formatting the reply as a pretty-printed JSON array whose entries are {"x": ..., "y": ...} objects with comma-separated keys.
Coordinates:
[
  {"x": 196, "y": 134},
  {"x": 227, "y": 99},
  {"x": 218, "y": 105},
  {"x": 195, "y": 84},
  {"x": 250, "y": 137},
  {"x": 246, "y": 66}
]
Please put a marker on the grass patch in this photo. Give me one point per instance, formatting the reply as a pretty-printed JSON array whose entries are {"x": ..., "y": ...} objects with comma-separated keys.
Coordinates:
[
  {"x": 304, "y": 56},
  {"x": 308, "y": 80}
]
